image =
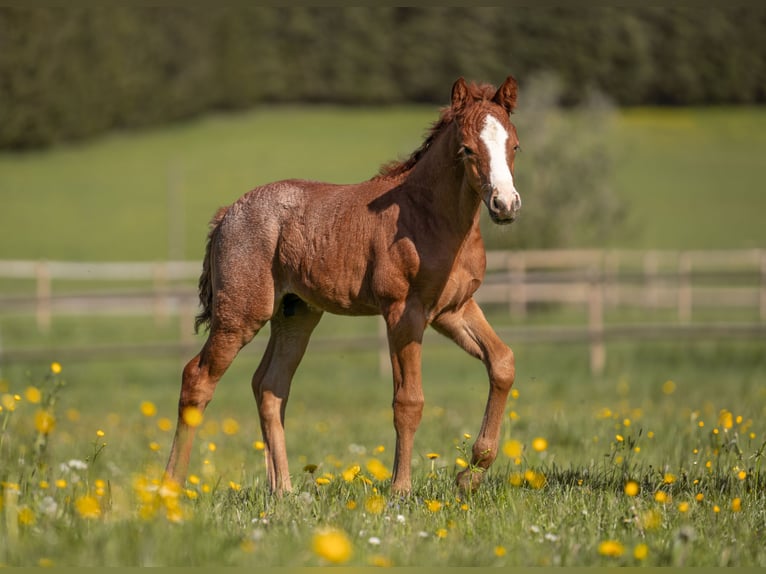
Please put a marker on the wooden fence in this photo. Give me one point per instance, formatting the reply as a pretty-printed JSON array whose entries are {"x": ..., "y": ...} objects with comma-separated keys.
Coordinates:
[{"x": 673, "y": 285}]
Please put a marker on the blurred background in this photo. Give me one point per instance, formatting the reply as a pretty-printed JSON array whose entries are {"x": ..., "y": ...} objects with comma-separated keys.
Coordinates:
[{"x": 122, "y": 130}]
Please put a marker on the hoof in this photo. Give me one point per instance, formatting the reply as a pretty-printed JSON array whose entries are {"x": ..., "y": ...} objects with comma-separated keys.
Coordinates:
[{"x": 469, "y": 479}]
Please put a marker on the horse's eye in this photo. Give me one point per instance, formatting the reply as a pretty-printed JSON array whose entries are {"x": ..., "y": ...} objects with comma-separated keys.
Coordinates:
[
  {"x": 467, "y": 150},
  {"x": 517, "y": 147}
]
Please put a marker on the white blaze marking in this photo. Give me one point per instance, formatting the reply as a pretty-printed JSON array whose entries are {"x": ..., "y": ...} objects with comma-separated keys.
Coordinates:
[{"x": 494, "y": 137}]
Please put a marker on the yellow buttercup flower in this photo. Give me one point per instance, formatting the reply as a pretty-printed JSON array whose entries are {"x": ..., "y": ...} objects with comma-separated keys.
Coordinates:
[
  {"x": 611, "y": 548},
  {"x": 88, "y": 507},
  {"x": 33, "y": 395},
  {"x": 375, "y": 504},
  {"x": 512, "y": 448},
  {"x": 192, "y": 416},
  {"x": 56, "y": 368},
  {"x": 148, "y": 409},
  {"x": 230, "y": 426},
  {"x": 333, "y": 545},
  {"x": 45, "y": 422},
  {"x": 539, "y": 444},
  {"x": 631, "y": 488},
  {"x": 640, "y": 552}
]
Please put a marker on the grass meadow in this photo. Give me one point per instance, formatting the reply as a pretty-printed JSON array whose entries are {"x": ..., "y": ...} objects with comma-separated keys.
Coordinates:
[{"x": 657, "y": 462}]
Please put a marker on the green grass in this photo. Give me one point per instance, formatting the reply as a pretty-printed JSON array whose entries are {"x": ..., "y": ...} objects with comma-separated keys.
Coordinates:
[
  {"x": 692, "y": 177},
  {"x": 339, "y": 416}
]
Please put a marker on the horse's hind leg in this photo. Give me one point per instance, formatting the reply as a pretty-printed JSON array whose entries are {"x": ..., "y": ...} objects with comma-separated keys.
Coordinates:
[
  {"x": 200, "y": 377},
  {"x": 471, "y": 331},
  {"x": 291, "y": 328}
]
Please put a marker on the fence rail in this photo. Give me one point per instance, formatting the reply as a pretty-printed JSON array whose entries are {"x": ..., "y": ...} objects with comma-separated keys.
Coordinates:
[{"x": 598, "y": 281}]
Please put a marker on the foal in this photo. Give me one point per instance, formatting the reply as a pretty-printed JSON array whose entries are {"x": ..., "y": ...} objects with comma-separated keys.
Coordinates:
[{"x": 405, "y": 244}]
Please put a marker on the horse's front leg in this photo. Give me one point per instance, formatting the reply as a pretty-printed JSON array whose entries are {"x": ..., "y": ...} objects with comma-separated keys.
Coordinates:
[
  {"x": 405, "y": 324},
  {"x": 468, "y": 327}
]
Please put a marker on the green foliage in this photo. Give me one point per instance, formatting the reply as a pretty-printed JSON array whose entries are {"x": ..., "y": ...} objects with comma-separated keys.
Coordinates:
[
  {"x": 565, "y": 172},
  {"x": 69, "y": 73}
]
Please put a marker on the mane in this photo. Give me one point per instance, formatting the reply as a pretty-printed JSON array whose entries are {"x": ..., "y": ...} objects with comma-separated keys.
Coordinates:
[{"x": 447, "y": 115}]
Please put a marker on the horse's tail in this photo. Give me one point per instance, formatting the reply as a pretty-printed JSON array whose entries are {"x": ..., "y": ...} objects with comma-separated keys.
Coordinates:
[{"x": 206, "y": 278}]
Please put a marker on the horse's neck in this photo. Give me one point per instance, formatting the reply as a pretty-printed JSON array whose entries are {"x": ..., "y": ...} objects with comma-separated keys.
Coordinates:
[{"x": 438, "y": 179}]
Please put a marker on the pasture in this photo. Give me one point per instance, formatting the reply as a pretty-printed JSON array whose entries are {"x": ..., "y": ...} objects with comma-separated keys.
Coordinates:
[{"x": 659, "y": 461}]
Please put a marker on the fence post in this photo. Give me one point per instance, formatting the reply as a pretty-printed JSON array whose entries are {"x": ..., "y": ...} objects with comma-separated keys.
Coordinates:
[
  {"x": 44, "y": 293},
  {"x": 596, "y": 323},
  {"x": 651, "y": 267},
  {"x": 684, "y": 288}
]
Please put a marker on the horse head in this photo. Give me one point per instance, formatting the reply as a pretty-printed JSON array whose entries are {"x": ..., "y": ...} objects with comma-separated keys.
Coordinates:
[{"x": 488, "y": 144}]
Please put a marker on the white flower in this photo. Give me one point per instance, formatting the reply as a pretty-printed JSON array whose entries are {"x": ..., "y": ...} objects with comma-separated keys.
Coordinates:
[
  {"x": 400, "y": 518},
  {"x": 48, "y": 506},
  {"x": 423, "y": 534},
  {"x": 551, "y": 536},
  {"x": 77, "y": 464},
  {"x": 374, "y": 540}
]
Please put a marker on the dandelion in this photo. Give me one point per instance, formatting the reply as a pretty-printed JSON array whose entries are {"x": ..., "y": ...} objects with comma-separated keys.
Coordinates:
[
  {"x": 60, "y": 483},
  {"x": 33, "y": 395},
  {"x": 650, "y": 519},
  {"x": 88, "y": 507},
  {"x": 736, "y": 505},
  {"x": 45, "y": 422},
  {"x": 742, "y": 475},
  {"x": 500, "y": 551},
  {"x": 56, "y": 368},
  {"x": 467, "y": 436},
  {"x": 699, "y": 497},
  {"x": 611, "y": 548},
  {"x": 375, "y": 504},
  {"x": 619, "y": 438},
  {"x": 669, "y": 387},
  {"x": 640, "y": 552},
  {"x": 377, "y": 469},
  {"x": 8, "y": 402},
  {"x": 669, "y": 478},
  {"x": 351, "y": 504},
  {"x": 433, "y": 505},
  {"x": 631, "y": 488},
  {"x": 351, "y": 472},
  {"x": 432, "y": 456},
  {"x": 322, "y": 480},
  {"x": 725, "y": 419},
  {"x": 235, "y": 486},
  {"x": 535, "y": 480},
  {"x": 164, "y": 424},
  {"x": 683, "y": 507},
  {"x": 716, "y": 508},
  {"x": 154, "y": 446},
  {"x": 512, "y": 449},
  {"x": 26, "y": 516},
  {"x": 380, "y": 561},
  {"x": 192, "y": 416},
  {"x": 259, "y": 445},
  {"x": 461, "y": 462},
  {"x": 441, "y": 533},
  {"x": 332, "y": 544},
  {"x": 100, "y": 433},
  {"x": 661, "y": 496},
  {"x": 539, "y": 444},
  {"x": 516, "y": 479},
  {"x": 230, "y": 426},
  {"x": 514, "y": 394},
  {"x": 148, "y": 409}
]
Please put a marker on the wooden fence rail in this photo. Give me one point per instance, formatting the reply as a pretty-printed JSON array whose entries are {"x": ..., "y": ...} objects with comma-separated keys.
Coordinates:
[{"x": 598, "y": 281}]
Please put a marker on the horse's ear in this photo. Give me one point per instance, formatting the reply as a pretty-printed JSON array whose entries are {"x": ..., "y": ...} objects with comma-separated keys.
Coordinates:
[
  {"x": 460, "y": 95},
  {"x": 506, "y": 94}
]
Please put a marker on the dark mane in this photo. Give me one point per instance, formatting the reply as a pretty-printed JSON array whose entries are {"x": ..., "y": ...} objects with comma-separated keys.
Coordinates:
[{"x": 446, "y": 117}]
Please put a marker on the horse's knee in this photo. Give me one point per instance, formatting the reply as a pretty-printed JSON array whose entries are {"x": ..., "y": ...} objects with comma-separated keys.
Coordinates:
[
  {"x": 503, "y": 371},
  {"x": 408, "y": 411}
]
